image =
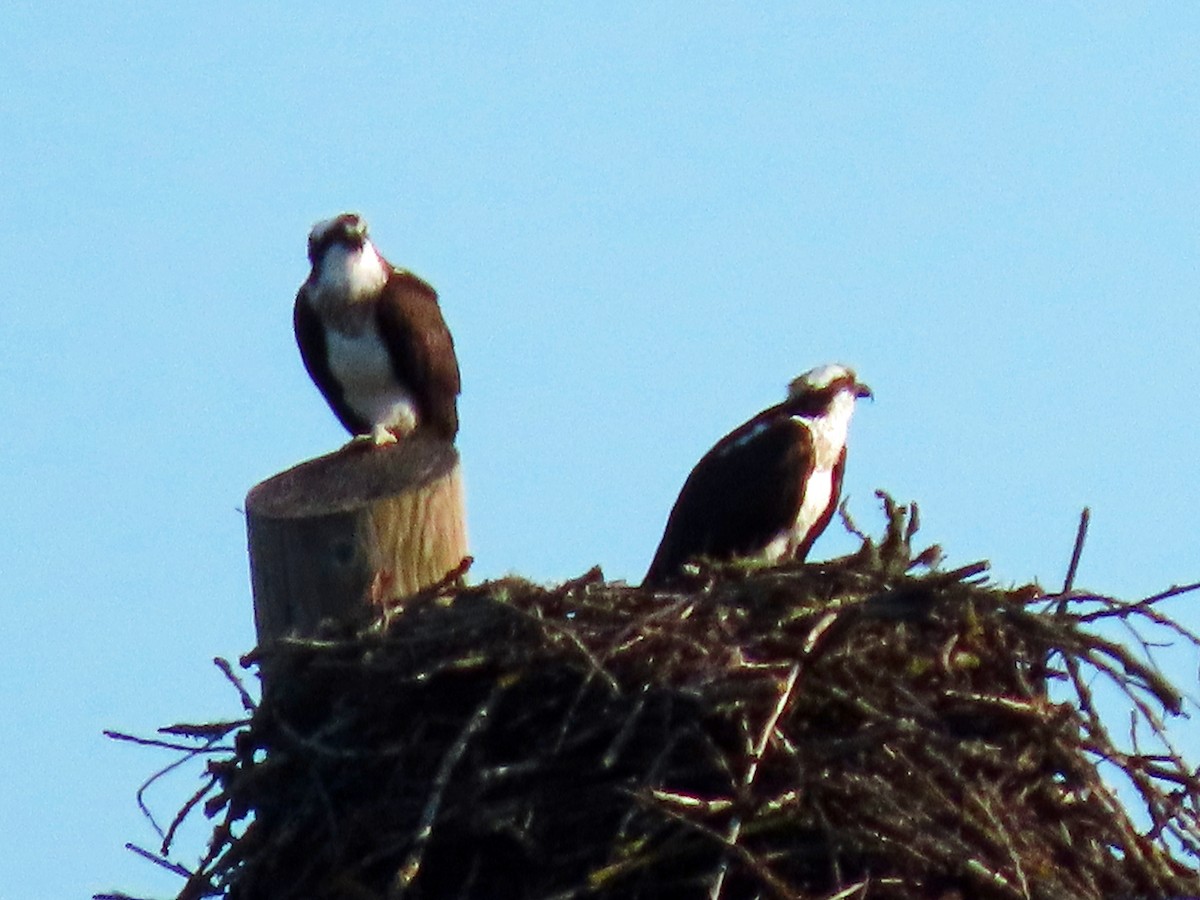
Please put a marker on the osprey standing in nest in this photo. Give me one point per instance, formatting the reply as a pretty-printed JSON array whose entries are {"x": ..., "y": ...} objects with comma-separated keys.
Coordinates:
[{"x": 769, "y": 487}]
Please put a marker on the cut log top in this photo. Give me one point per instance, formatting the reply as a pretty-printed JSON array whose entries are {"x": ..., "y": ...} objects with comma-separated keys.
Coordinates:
[
  {"x": 348, "y": 479},
  {"x": 338, "y": 538}
]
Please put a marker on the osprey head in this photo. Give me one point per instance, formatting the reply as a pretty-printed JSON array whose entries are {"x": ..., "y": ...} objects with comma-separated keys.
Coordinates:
[
  {"x": 815, "y": 391},
  {"x": 349, "y": 230},
  {"x": 346, "y": 267}
]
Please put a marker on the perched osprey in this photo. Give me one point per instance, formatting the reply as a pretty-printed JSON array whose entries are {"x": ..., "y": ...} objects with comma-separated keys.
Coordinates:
[
  {"x": 769, "y": 487},
  {"x": 373, "y": 339}
]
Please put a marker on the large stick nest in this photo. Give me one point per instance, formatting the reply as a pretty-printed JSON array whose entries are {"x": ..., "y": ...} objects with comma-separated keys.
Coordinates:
[{"x": 847, "y": 729}]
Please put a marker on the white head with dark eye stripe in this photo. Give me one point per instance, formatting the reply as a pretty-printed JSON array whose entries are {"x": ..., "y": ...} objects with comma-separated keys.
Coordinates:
[
  {"x": 345, "y": 264},
  {"x": 824, "y": 399},
  {"x": 818, "y": 390}
]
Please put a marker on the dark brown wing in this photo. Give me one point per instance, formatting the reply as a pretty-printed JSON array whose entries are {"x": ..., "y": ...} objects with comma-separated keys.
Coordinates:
[
  {"x": 421, "y": 349},
  {"x": 739, "y": 497},
  {"x": 310, "y": 337}
]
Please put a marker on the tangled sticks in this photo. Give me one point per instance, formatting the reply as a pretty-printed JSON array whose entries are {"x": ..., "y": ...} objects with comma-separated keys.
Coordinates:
[{"x": 847, "y": 729}]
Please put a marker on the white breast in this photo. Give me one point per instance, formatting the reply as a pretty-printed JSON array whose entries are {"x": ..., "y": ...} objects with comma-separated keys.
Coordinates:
[
  {"x": 361, "y": 365},
  {"x": 817, "y": 493},
  {"x": 829, "y": 433}
]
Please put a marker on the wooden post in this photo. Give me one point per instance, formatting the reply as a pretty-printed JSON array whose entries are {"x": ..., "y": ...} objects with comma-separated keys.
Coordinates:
[{"x": 338, "y": 536}]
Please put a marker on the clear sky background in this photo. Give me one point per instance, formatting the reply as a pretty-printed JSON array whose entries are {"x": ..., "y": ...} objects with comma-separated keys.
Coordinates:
[{"x": 643, "y": 220}]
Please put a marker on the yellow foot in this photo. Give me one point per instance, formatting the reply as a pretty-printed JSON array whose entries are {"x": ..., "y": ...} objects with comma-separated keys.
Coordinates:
[{"x": 379, "y": 436}]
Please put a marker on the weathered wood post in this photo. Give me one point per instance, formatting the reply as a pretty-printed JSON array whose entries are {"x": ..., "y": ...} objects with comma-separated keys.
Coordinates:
[{"x": 338, "y": 536}]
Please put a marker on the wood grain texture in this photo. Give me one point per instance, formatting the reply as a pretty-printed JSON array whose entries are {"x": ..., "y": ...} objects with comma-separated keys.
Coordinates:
[{"x": 337, "y": 537}]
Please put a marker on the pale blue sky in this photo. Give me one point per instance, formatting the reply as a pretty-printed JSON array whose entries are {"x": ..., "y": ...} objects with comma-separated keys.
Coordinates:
[{"x": 643, "y": 219}]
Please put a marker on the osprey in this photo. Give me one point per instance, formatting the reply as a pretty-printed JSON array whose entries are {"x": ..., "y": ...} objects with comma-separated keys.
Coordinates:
[
  {"x": 770, "y": 486},
  {"x": 373, "y": 339}
]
